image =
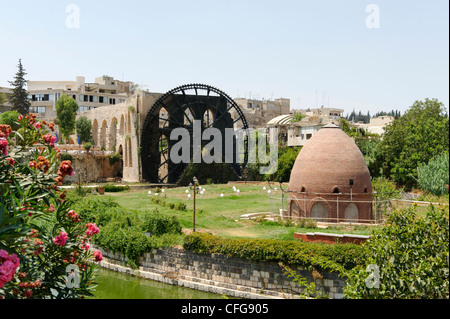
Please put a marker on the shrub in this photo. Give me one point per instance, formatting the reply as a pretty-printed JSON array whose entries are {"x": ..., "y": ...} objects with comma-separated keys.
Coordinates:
[
  {"x": 124, "y": 230},
  {"x": 66, "y": 157},
  {"x": 87, "y": 146},
  {"x": 160, "y": 224},
  {"x": 116, "y": 188},
  {"x": 335, "y": 257},
  {"x": 219, "y": 173},
  {"x": 114, "y": 158},
  {"x": 434, "y": 176},
  {"x": 406, "y": 259},
  {"x": 38, "y": 231},
  {"x": 307, "y": 223},
  {"x": 181, "y": 206}
]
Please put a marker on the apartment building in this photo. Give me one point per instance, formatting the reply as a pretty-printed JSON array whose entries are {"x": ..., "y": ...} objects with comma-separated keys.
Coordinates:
[
  {"x": 297, "y": 133},
  {"x": 105, "y": 90},
  {"x": 259, "y": 112}
]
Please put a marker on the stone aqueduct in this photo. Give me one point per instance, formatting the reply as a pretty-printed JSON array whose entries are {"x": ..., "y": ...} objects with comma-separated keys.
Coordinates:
[{"x": 116, "y": 128}]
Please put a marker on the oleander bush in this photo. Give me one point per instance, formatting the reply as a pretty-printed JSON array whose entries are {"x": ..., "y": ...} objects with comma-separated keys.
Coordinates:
[{"x": 41, "y": 239}]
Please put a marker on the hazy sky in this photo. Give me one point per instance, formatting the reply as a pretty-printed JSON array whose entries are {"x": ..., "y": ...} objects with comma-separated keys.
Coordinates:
[{"x": 352, "y": 54}]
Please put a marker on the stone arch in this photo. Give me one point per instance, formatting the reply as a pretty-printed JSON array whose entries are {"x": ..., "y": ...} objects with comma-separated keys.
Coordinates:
[
  {"x": 351, "y": 213},
  {"x": 103, "y": 134},
  {"x": 130, "y": 155},
  {"x": 129, "y": 123},
  {"x": 319, "y": 211},
  {"x": 120, "y": 151},
  {"x": 112, "y": 134},
  {"x": 125, "y": 153},
  {"x": 122, "y": 125},
  {"x": 95, "y": 132}
]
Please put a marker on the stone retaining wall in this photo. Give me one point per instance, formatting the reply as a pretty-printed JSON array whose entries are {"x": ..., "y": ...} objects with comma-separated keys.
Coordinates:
[{"x": 221, "y": 274}]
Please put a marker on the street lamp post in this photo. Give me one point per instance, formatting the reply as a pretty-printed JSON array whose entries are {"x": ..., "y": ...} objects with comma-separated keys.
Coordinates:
[
  {"x": 282, "y": 193},
  {"x": 195, "y": 180},
  {"x": 244, "y": 173}
]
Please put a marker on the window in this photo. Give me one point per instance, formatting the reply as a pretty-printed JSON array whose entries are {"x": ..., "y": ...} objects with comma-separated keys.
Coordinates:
[
  {"x": 112, "y": 101},
  {"x": 336, "y": 190},
  {"x": 308, "y": 136},
  {"x": 249, "y": 105},
  {"x": 85, "y": 108},
  {"x": 102, "y": 99},
  {"x": 41, "y": 97},
  {"x": 37, "y": 109}
]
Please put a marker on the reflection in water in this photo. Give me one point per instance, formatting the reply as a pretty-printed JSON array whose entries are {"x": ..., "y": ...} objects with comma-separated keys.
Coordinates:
[{"x": 114, "y": 285}]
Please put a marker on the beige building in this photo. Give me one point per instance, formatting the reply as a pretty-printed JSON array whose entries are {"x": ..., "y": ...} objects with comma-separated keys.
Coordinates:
[
  {"x": 103, "y": 91},
  {"x": 377, "y": 124},
  {"x": 298, "y": 133},
  {"x": 326, "y": 113},
  {"x": 259, "y": 112}
]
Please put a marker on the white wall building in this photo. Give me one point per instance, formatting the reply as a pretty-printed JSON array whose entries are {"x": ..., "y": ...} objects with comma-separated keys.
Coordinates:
[{"x": 103, "y": 91}]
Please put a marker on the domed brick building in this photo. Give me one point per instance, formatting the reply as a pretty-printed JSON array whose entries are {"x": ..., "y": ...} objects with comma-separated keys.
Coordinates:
[{"x": 330, "y": 181}]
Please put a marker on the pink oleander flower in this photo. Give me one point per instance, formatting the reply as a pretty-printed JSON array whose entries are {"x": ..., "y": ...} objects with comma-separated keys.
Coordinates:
[
  {"x": 11, "y": 161},
  {"x": 4, "y": 146},
  {"x": 85, "y": 246},
  {"x": 98, "y": 256},
  {"x": 20, "y": 117},
  {"x": 48, "y": 138},
  {"x": 61, "y": 239},
  {"x": 51, "y": 209},
  {"x": 92, "y": 229},
  {"x": 73, "y": 216},
  {"x": 8, "y": 266}
]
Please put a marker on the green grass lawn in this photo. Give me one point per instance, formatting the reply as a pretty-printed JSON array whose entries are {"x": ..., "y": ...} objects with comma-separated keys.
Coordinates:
[{"x": 222, "y": 215}]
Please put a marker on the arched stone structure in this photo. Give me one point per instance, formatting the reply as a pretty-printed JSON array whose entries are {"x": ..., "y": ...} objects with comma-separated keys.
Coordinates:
[{"x": 126, "y": 125}]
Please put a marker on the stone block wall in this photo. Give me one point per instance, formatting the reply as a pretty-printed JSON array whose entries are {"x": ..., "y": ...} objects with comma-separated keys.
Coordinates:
[{"x": 217, "y": 270}]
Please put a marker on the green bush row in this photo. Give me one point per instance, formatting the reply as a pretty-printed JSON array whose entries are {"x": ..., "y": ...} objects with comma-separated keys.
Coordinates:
[
  {"x": 115, "y": 188},
  {"x": 337, "y": 257},
  {"x": 132, "y": 242},
  {"x": 124, "y": 230}
]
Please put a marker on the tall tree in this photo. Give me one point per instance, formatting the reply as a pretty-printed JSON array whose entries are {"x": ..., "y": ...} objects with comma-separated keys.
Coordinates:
[
  {"x": 66, "y": 110},
  {"x": 415, "y": 137},
  {"x": 84, "y": 129},
  {"x": 19, "y": 97},
  {"x": 3, "y": 100}
]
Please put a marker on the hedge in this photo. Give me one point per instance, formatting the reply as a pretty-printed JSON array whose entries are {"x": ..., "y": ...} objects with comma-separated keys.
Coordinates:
[
  {"x": 337, "y": 257},
  {"x": 123, "y": 230}
]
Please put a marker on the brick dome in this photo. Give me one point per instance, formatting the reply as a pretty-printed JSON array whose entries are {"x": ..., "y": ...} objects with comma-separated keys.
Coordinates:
[{"x": 323, "y": 171}]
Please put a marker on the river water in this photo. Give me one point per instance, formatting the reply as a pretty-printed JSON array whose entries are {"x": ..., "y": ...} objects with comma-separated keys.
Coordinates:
[{"x": 115, "y": 285}]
